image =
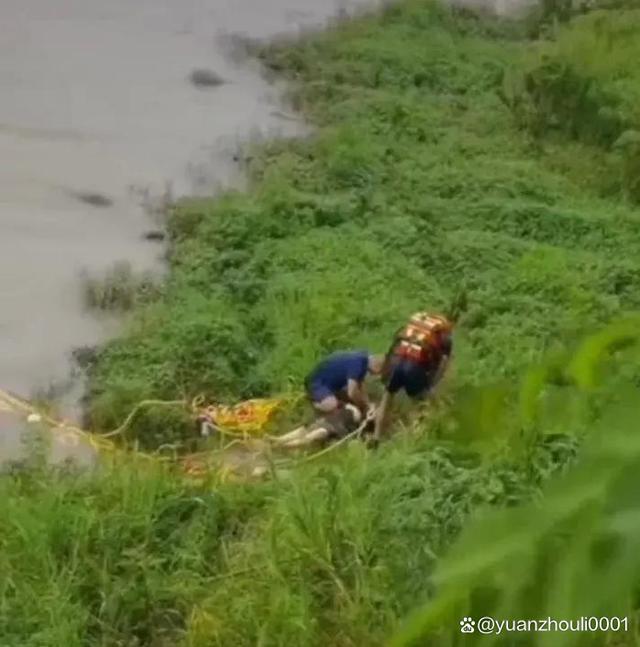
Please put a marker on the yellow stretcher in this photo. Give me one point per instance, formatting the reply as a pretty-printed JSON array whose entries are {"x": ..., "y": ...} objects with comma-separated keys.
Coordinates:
[{"x": 250, "y": 417}]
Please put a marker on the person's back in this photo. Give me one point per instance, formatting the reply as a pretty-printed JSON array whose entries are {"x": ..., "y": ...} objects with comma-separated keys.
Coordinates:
[
  {"x": 339, "y": 377},
  {"x": 416, "y": 360},
  {"x": 335, "y": 371}
]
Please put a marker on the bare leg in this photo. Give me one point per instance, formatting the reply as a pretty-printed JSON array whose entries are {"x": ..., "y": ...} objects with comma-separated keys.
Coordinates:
[
  {"x": 382, "y": 415},
  {"x": 308, "y": 438},
  {"x": 302, "y": 437},
  {"x": 297, "y": 433}
]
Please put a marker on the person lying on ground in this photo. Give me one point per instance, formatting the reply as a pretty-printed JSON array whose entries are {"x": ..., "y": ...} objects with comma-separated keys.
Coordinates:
[
  {"x": 335, "y": 425},
  {"x": 416, "y": 362},
  {"x": 339, "y": 379}
]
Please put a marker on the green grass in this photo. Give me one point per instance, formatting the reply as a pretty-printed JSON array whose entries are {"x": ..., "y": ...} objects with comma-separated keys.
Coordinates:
[
  {"x": 425, "y": 178},
  {"x": 133, "y": 556},
  {"x": 115, "y": 558}
]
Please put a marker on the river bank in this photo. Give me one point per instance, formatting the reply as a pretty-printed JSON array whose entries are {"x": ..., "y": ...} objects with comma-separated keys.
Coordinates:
[
  {"x": 102, "y": 114},
  {"x": 109, "y": 111}
]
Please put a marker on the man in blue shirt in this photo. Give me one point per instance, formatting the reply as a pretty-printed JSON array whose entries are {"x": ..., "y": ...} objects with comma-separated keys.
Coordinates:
[
  {"x": 336, "y": 390},
  {"x": 340, "y": 379}
]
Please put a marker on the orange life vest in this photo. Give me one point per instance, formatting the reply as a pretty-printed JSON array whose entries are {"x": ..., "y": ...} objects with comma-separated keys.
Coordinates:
[{"x": 420, "y": 340}]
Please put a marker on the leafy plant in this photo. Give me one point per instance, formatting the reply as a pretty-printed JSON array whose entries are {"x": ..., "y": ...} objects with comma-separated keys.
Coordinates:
[{"x": 575, "y": 553}]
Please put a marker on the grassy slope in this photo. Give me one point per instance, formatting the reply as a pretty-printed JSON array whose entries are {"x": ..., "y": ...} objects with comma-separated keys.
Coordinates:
[
  {"x": 113, "y": 559},
  {"x": 333, "y": 554},
  {"x": 417, "y": 182},
  {"x": 416, "y": 185}
]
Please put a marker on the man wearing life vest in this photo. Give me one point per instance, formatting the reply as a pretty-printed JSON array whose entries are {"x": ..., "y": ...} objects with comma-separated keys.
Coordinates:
[{"x": 416, "y": 361}]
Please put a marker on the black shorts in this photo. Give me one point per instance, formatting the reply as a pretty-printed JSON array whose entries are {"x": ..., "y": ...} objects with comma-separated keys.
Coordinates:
[
  {"x": 317, "y": 391},
  {"x": 415, "y": 378}
]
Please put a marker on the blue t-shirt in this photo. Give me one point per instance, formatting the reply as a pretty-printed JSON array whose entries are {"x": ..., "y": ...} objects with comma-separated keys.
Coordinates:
[{"x": 334, "y": 372}]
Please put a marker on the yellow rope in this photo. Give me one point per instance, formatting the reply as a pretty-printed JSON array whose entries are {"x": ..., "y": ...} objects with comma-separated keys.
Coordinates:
[
  {"x": 98, "y": 441},
  {"x": 243, "y": 438},
  {"x": 25, "y": 407},
  {"x": 144, "y": 403}
]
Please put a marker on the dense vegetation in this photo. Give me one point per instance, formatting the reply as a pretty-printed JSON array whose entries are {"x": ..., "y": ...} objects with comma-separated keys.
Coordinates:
[
  {"x": 452, "y": 155},
  {"x": 420, "y": 182}
]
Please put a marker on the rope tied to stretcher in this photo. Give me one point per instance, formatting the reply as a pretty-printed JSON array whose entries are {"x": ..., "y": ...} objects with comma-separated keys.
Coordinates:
[{"x": 243, "y": 423}]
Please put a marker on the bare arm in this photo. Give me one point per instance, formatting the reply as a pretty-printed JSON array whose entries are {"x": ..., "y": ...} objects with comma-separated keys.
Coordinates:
[
  {"x": 382, "y": 414},
  {"x": 358, "y": 395}
]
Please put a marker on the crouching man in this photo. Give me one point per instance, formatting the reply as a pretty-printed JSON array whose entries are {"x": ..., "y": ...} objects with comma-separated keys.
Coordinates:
[{"x": 336, "y": 389}]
